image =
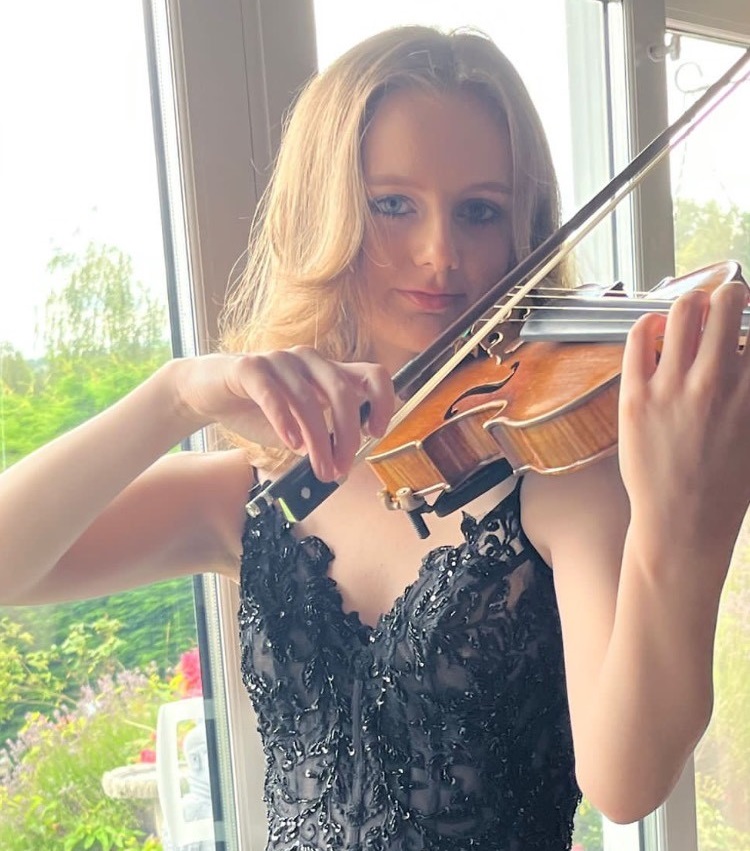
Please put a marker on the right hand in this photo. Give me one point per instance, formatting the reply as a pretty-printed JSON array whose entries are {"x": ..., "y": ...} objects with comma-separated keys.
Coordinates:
[{"x": 282, "y": 399}]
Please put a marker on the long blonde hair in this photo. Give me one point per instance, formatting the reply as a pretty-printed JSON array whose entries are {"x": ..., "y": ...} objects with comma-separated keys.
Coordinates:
[{"x": 300, "y": 285}]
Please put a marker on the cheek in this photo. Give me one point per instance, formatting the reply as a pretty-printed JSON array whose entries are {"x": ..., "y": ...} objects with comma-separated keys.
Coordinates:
[
  {"x": 488, "y": 260},
  {"x": 383, "y": 245},
  {"x": 375, "y": 267},
  {"x": 374, "y": 248}
]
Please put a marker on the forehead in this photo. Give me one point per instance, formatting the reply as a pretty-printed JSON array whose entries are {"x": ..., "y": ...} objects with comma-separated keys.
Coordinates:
[{"x": 454, "y": 137}]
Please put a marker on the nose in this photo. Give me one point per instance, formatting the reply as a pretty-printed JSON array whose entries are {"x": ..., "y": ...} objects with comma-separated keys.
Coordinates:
[{"x": 436, "y": 244}]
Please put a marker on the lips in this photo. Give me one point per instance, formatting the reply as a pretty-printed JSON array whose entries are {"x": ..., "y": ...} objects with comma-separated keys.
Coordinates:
[{"x": 431, "y": 302}]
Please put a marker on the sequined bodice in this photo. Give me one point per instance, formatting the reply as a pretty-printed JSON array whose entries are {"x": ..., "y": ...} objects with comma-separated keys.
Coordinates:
[{"x": 445, "y": 727}]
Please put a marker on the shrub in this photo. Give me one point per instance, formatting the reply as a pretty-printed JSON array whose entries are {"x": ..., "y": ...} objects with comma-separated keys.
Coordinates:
[{"x": 51, "y": 796}]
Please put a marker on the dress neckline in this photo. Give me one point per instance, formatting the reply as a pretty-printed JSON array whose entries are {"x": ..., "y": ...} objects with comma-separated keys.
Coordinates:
[{"x": 471, "y": 528}]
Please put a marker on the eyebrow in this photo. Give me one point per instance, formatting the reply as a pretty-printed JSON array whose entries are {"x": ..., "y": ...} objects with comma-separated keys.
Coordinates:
[{"x": 402, "y": 180}]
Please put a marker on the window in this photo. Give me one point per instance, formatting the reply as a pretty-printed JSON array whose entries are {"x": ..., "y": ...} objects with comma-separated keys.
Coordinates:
[
  {"x": 711, "y": 198},
  {"x": 85, "y": 318}
]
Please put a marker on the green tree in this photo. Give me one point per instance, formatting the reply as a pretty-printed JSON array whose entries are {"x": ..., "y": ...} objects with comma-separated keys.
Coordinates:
[
  {"x": 707, "y": 233},
  {"x": 101, "y": 309},
  {"x": 16, "y": 374},
  {"x": 103, "y": 334},
  {"x": 43, "y": 677}
]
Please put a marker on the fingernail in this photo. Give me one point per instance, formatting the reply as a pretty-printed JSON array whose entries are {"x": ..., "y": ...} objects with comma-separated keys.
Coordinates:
[{"x": 293, "y": 438}]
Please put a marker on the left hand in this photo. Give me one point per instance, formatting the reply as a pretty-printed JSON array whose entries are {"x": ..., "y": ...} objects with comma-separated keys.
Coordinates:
[{"x": 684, "y": 420}]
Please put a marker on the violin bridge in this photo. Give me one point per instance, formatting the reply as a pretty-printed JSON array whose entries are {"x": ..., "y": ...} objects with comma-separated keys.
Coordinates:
[
  {"x": 493, "y": 338},
  {"x": 492, "y": 346}
]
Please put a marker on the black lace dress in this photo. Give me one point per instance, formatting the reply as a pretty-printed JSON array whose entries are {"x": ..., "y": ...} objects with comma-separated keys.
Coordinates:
[{"x": 445, "y": 727}]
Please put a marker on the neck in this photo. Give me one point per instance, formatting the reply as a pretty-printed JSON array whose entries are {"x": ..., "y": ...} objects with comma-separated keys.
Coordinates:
[{"x": 591, "y": 321}]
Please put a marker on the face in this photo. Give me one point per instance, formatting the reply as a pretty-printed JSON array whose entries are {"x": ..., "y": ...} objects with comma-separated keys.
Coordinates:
[{"x": 438, "y": 175}]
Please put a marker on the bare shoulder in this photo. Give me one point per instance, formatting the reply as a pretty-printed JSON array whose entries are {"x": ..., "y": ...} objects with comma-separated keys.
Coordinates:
[
  {"x": 563, "y": 514},
  {"x": 209, "y": 490}
]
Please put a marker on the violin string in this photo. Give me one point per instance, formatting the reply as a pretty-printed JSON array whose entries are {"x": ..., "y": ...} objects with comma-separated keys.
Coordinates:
[
  {"x": 601, "y": 321},
  {"x": 580, "y": 294},
  {"x": 579, "y": 303}
]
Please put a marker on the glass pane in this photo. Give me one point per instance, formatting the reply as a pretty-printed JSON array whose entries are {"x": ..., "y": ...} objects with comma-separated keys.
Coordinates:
[
  {"x": 83, "y": 319},
  {"x": 583, "y": 162},
  {"x": 711, "y": 193},
  {"x": 710, "y": 170}
]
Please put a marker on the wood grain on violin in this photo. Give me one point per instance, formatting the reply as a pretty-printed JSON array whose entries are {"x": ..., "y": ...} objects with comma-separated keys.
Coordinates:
[{"x": 544, "y": 406}]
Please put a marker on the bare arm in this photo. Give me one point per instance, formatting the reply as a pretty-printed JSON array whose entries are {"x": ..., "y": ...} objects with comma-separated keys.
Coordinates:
[
  {"x": 49, "y": 498},
  {"x": 182, "y": 516},
  {"x": 639, "y": 566},
  {"x": 638, "y": 673},
  {"x": 92, "y": 511}
]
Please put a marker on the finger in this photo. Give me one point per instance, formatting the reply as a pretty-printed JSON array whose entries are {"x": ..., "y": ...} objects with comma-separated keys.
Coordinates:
[
  {"x": 344, "y": 395},
  {"x": 260, "y": 383},
  {"x": 345, "y": 420},
  {"x": 377, "y": 389},
  {"x": 639, "y": 360},
  {"x": 682, "y": 334},
  {"x": 308, "y": 401},
  {"x": 722, "y": 331},
  {"x": 280, "y": 386}
]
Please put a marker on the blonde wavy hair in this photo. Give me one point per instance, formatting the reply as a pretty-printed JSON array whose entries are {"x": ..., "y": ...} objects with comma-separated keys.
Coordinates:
[{"x": 300, "y": 283}]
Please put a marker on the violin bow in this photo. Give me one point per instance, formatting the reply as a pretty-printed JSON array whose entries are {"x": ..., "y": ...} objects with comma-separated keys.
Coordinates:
[{"x": 298, "y": 491}]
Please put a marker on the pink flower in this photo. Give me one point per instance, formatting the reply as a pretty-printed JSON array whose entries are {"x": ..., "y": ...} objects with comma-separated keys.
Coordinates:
[
  {"x": 189, "y": 667},
  {"x": 147, "y": 755}
]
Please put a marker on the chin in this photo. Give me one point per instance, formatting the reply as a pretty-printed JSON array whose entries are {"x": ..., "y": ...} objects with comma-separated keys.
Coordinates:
[
  {"x": 422, "y": 340},
  {"x": 409, "y": 352},
  {"x": 399, "y": 347}
]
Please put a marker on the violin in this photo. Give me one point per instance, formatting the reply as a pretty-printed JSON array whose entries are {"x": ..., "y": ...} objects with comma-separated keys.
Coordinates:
[
  {"x": 540, "y": 393},
  {"x": 541, "y": 398}
]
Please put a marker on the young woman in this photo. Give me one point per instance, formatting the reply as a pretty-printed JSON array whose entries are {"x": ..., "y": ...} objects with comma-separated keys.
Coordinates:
[{"x": 451, "y": 693}]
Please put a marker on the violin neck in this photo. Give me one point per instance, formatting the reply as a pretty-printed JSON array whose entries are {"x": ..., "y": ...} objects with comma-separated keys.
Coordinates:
[{"x": 587, "y": 321}]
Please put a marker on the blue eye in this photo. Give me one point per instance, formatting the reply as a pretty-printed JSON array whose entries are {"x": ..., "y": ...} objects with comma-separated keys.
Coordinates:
[
  {"x": 478, "y": 212},
  {"x": 389, "y": 205}
]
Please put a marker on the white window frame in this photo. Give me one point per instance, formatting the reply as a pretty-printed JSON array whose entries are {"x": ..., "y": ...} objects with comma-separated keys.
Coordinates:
[{"x": 230, "y": 94}]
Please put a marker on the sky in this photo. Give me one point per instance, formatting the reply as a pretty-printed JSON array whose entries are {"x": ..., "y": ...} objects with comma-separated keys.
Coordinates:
[
  {"x": 714, "y": 162},
  {"x": 77, "y": 161}
]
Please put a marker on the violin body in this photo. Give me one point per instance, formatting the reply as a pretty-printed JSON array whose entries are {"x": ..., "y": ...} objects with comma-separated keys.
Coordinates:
[{"x": 545, "y": 406}]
